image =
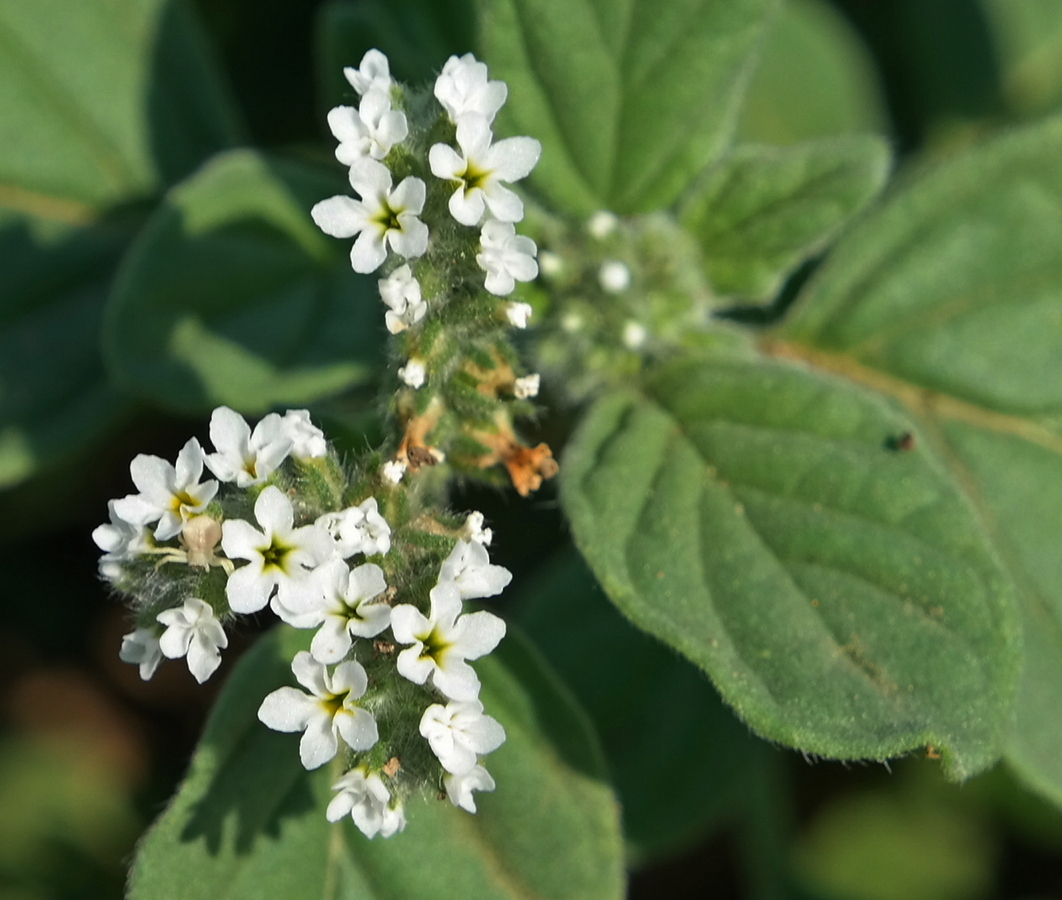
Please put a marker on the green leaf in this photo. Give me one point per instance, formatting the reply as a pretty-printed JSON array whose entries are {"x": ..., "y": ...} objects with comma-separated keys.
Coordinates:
[
  {"x": 950, "y": 299},
  {"x": 1019, "y": 486},
  {"x": 416, "y": 35},
  {"x": 646, "y": 703},
  {"x": 55, "y": 399},
  {"x": 815, "y": 79},
  {"x": 630, "y": 99},
  {"x": 1029, "y": 40},
  {"x": 248, "y": 822},
  {"x": 102, "y": 102},
  {"x": 231, "y": 295},
  {"x": 839, "y": 592},
  {"x": 763, "y": 210}
]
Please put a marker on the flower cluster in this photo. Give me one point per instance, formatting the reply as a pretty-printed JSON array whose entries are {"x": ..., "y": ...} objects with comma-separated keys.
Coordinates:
[
  {"x": 435, "y": 213},
  {"x": 386, "y": 682}
]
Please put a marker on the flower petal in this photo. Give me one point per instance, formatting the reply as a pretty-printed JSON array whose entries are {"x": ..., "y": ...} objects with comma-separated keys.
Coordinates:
[
  {"x": 357, "y": 727},
  {"x": 339, "y": 216},
  {"x": 286, "y": 709},
  {"x": 476, "y": 634},
  {"x": 318, "y": 744},
  {"x": 248, "y": 589},
  {"x": 273, "y": 511},
  {"x": 512, "y": 158},
  {"x": 332, "y": 640}
]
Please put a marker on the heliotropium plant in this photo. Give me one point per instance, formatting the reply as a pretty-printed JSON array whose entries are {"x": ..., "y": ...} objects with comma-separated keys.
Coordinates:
[{"x": 804, "y": 424}]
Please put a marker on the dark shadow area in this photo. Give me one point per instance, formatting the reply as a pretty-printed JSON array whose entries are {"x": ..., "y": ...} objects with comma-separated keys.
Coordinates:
[
  {"x": 938, "y": 61},
  {"x": 261, "y": 784},
  {"x": 189, "y": 113}
]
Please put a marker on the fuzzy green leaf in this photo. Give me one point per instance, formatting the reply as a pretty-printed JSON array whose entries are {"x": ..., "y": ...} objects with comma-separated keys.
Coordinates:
[
  {"x": 231, "y": 295},
  {"x": 815, "y": 78},
  {"x": 1029, "y": 39},
  {"x": 630, "y": 99},
  {"x": 838, "y": 591},
  {"x": 249, "y": 822},
  {"x": 55, "y": 399},
  {"x": 103, "y": 101},
  {"x": 634, "y": 702},
  {"x": 950, "y": 299},
  {"x": 763, "y": 210}
]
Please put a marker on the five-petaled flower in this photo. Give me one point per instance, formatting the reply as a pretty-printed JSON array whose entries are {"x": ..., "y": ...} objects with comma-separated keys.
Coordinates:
[
  {"x": 280, "y": 557},
  {"x": 365, "y": 797},
  {"x": 358, "y": 529},
  {"x": 459, "y": 733},
  {"x": 443, "y": 642},
  {"x": 469, "y": 569},
  {"x": 400, "y": 292},
  {"x": 480, "y": 169},
  {"x": 141, "y": 648},
  {"x": 462, "y": 87},
  {"x": 459, "y": 788},
  {"x": 120, "y": 541},
  {"x": 324, "y": 715},
  {"x": 382, "y": 217},
  {"x": 168, "y": 494},
  {"x": 370, "y": 130},
  {"x": 194, "y": 631},
  {"x": 345, "y": 608},
  {"x": 373, "y": 73},
  {"x": 506, "y": 257},
  {"x": 307, "y": 440},
  {"x": 243, "y": 456}
]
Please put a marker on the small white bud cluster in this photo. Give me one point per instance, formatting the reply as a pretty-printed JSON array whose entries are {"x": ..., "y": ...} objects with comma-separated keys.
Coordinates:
[{"x": 195, "y": 553}]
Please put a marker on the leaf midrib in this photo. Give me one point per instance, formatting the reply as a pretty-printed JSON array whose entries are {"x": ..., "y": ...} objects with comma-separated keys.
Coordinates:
[{"x": 921, "y": 401}]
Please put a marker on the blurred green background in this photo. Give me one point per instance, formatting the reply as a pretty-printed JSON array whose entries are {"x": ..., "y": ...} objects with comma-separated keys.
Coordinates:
[{"x": 89, "y": 142}]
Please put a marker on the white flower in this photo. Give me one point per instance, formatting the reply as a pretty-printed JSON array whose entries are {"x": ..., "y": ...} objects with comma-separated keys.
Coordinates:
[
  {"x": 324, "y": 715},
  {"x": 374, "y": 73},
  {"x": 366, "y": 798},
  {"x": 345, "y": 608},
  {"x": 462, "y": 87},
  {"x": 400, "y": 291},
  {"x": 527, "y": 387},
  {"x": 393, "y": 470},
  {"x": 459, "y": 788},
  {"x": 244, "y": 456},
  {"x": 475, "y": 530},
  {"x": 601, "y": 224},
  {"x": 120, "y": 541},
  {"x": 468, "y": 568},
  {"x": 506, "y": 257},
  {"x": 307, "y": 440},
  {"x": 194, "y": 631},
  {"x": 358, "y": 529},
  {"x": 480, "y": 169},
  {"x": 614, "y": 277},
  {"x": 459, "y": 732},
  {"x": 280, "y": 556},
  {"x": 413, "y": 373},
  {"x": 442, "y": 643},
  {"x": 382, "y": 217},
  {"x": 141, "y": 648},
  {"x": 518, "y": 314},
  {"x": 370, "y": 130},
  {"x": 169, "y": 495},
  {"x": 634, "y": 335}
]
